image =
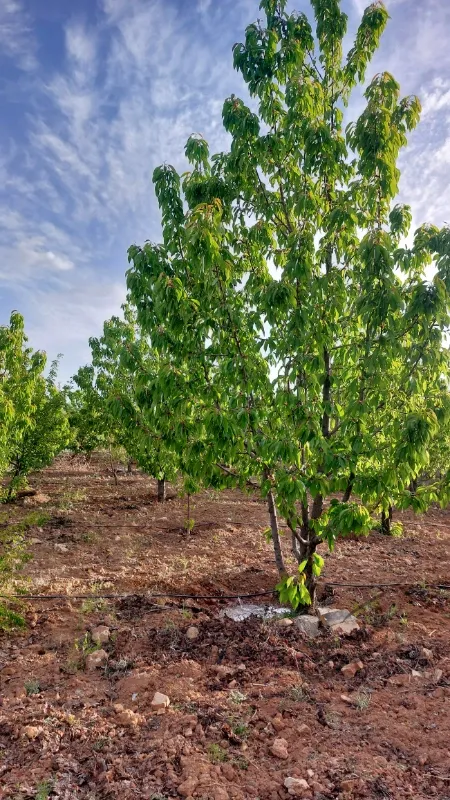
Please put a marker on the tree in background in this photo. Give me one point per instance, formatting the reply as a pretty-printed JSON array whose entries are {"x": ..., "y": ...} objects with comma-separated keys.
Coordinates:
[
  {"x": 112, "y": 399},
  {"x": 291, "y": 323},
  {"x": 33, "y": 420}
]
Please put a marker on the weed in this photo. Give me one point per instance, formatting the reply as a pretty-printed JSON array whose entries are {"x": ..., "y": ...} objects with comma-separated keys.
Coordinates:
[
  {"x": 32, "y": 687},
  {"x": 362, "y": 700},
  {"x": 89, "y": 538},
  {"x": 240, "y": 728},
  {"x": 70, "y": 497},
  {"x": 240, "y": 762},
  {"x": 71, "y": 666},
  {"x": 403, "y": 618},
  {"x": 236, "y": 697},
  {"x": 43, "y": 789},
  {"x": 186, "y": 613},
  {"x": 85, "y": 646},
  {"x": 94, "y": 605},
  {"x": 100, "y": 744},
  {"x": 298, "y": 694},
  {"x": 217, "y": 754}
]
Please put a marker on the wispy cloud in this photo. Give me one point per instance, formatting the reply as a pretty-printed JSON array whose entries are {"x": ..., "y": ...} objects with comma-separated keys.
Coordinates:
[
  {"x": 16, "y": 40},
  {"x": 129, "y": 81}
]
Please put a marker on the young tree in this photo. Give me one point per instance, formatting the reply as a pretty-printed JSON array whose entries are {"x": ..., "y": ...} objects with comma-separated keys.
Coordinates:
[
  {"x": 283, "y": 298},
  {"x": 33, "y": 420}
]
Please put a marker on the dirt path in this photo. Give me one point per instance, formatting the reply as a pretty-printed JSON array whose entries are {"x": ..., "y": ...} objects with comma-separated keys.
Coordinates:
[{"x": 69, "y": 731}]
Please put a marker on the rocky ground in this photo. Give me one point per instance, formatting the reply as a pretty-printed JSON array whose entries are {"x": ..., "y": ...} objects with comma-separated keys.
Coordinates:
[{"x": 157, "y": 698}]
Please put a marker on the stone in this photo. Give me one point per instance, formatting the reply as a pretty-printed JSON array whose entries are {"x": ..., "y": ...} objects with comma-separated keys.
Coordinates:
[
  {"x": 160, "y": 701},
  {"x": 433, "y": 675},
  {"x": 192, "y": 633},
  {"x": 402, "y": 679},
  {"x": 96, "y": 660},
  {"x": 101, "y": 634},
  {"x": 346, "y": 699},
  {"x": 188, "y": 787},
  {"x": 428, "y": 654},
  {"x": 61, "y": 548},
  {"x": 296, "y": 786},
  {"x": 308, "y": 624},
  {"x": 303, "y": 729},
  {"x": 279, "y": 748},
  {"x": 32, "y": 731},
  {"x": 350, "y": 670},
  {"x": 338, "y": 620},
  {"x": 34, "y": 540},
  {"x": 284, "y": 622}
]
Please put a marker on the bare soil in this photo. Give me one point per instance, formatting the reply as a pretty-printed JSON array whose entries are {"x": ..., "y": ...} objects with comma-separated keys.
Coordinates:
[{"x": 70, "y": 732}]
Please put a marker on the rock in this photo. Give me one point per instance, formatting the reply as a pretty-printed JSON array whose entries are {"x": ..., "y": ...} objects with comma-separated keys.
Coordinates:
[
  {"x": 278, "y": 723},
  {"x": 192, "y": 633},
  {"x": 428, "y": 654},
  {"x": 161, "y": 701},
  {"x": 308, "y": 624},
  {"x": 350, "y": 670},
  {"x": 279, "y": 748},
  {"x": 34, "y": 540},
  {"x": 338, "y": 620},
  {"x": 416, "y": 674},
  {"x": 96, "y": 660},
  {"x": 346, "y": 699},
  {"x": 127, "y": 717},
  {"x": 303, "y": 729},
  {"x": 188, "y": 787},
  {"x": 402, "y": 679},
  {"x": 32, "y": 731},
  {"x": 284, "y": 622},
  {"x": 101, "y": 634},
  {"x": 61, "y": 548},
  {"x": 37, "y": 499},
  {"x": 296, "y": 786}
]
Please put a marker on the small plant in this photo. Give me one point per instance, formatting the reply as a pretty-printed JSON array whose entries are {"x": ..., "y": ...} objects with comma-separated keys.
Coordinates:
[
  {"x": 299, "y": 694},
  {"x": 100, "y": 744},
  {"x": 217, "y": 754},
  {"x": 32, "y": 687},
  {"x": 240, "y": 728},
  {"x": 85, "y": 646},
  {"x": 403, "y": 618},
  {"x": 94, "y": 605},
  {"x": 186, "y": 613},
  {"x": 362, "y": 700},
  {"x": 237, "y": 697},
  {"x": 44, "y": 789},
  {"x": 241, "y": 763}
]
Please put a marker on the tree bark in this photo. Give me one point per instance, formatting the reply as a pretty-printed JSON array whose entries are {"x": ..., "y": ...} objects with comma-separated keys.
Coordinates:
[
  {"x": 386, "y": 520},
  {"x": 130, "y": 466},
  {"x": 349, "y": 488},
  {"x": 276, "y": 534},
  {"x": 161, "y": 490}
]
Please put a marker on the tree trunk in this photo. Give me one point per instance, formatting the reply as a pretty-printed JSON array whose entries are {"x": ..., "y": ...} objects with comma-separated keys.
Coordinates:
[
  {"x": 413, "y": 485},
  {"x": 275, "y": 534},
  {"x": 130, "y": 466},
  {"x": 348, "y": 491},
  {"x": 161, "y": 490},
  {"x": 386, "y": 520},
  {"x": 307, "y": 550}
]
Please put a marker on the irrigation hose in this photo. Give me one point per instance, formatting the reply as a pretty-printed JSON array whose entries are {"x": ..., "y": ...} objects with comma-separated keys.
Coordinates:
[{"x": 170, "y": 596}]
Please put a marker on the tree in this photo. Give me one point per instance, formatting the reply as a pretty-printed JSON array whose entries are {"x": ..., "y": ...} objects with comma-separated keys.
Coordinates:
[
  {"x": 112, "y": 399},
  {"x": 34, "y": 426},
  {"x": 283, "y": 300}
]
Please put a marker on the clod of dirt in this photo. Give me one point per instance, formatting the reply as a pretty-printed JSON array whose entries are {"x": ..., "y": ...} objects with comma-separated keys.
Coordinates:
[
  {"x": 61, "y": 548},
  {"x": 192, "y": 633},
  {"x": 160, "y": 701},
  {"x": 96, "y": 660},
  {"x": 309, "y": 625},
  {"x": 32, "y": 731},
  {"x": 101, "y": 634},
  {"x": 279, "y": 748},
  {"x": 36, "y": 499},
  {"x": 188, "y": 787},
  {"x": 338, "y": 620},
  {"x": 127, "y": 717},
  {"x": 350, "y": 670},
  {"x": 296, "y": 786}
]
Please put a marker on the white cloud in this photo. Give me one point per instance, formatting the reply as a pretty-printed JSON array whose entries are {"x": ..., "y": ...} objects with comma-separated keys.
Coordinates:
[{"x": 16, "y": 40}]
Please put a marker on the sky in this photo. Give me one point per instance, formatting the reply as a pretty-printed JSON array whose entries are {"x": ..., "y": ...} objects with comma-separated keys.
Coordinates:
[{"x": 94, "y": 94}]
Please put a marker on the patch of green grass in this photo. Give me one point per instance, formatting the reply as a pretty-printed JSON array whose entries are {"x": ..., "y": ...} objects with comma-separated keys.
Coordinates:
[
  {"x": 43, "y": 789},
  {"x": 100, "y": 744},
  {"x": 217, "y": 754},
  {"x": 298, "y": 694},
  {"x": 240, "y": 728},
  {"x": 9, "y": 620},
  {"x": 32, "y": 687},
  {"x": 240, "y": 762}
]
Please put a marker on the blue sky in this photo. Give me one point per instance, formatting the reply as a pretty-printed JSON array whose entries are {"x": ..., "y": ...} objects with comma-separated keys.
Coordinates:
[{"x": 95, "y": 93}]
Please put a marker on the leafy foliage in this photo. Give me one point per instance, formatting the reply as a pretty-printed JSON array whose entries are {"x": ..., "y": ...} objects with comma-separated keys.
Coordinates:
[
  {"x": 33, "y": 420},
  {"x": 298, "y": 340}
]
